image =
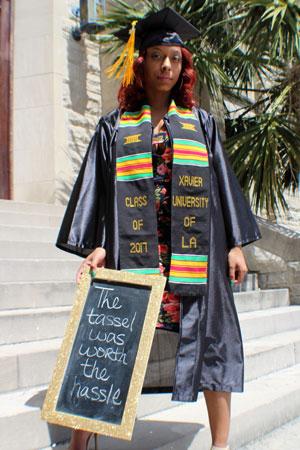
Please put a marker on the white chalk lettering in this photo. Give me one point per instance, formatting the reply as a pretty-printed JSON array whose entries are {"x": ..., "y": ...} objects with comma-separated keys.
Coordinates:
[
  {"x": 96, "y": 394},
  {"x": 102, "y": 336},
  {"x": 90, "y": 370},
  {"x": 105, "y": 301},
  {"x": 109, "y": 320},
  {"x": 115, "y": 355}
]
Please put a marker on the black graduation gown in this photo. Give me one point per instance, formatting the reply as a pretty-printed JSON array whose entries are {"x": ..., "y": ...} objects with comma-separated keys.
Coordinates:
[{"x": 210, "y": 350}]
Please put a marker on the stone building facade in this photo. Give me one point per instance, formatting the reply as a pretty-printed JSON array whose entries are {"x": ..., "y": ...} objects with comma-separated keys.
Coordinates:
[{"x": 58, "y": 94}]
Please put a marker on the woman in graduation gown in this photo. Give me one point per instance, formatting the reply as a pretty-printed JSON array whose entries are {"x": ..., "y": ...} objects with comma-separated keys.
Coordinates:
[{"x": 156, "y": 194}]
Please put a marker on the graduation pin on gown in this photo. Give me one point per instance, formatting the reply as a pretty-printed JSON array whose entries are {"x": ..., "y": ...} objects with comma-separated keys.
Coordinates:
[{"x": 210, "y": 350}]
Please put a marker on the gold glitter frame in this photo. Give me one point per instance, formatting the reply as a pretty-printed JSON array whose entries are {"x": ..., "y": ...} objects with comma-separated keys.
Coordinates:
[{"x": 125, "y": 428}]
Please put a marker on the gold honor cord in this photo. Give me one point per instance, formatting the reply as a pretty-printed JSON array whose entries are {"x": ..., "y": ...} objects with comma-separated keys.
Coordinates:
[{"x": 125, "y": 60}]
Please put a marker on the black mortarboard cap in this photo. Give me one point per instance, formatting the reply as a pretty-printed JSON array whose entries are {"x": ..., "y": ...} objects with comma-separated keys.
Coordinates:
[{"x": 165, "y": 27}]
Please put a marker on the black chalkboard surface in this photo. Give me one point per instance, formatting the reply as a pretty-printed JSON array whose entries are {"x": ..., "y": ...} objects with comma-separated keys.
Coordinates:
[
  {"x": 97, "y": 378},
  {"x": 102, "y": 363}
]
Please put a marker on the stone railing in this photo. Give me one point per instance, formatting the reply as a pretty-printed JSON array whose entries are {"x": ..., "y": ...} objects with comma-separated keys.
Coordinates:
[{"x": 276, "y": 258}]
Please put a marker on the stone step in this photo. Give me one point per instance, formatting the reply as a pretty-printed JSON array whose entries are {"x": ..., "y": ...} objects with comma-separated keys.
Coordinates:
[
  {"x": 284, "y": 437},
  {"x": 32, "y": 234},
  {"x": 255, "y": 324},
  {"x": 24, "y": 325},
  {"x": 270, "y": 353},
  {"x": 26, "y": 365},
  {"x": 31, "y": 207},
  {"x": 27, "y": 249},
  {"x": 29, "y": 219},
  {"x": 267, "y": 403},
  {"x": 31, "y": 324},
  {"x": 261, "y": 299},
  {"x": 36, "y": 294},
  {"x": 21, "y": 427},
  {"x": 262, "y": 356},
  {"x": 66, "y": 446},
  {"x": 38, "y": 269},
  {"x": 21, "y": 411}
]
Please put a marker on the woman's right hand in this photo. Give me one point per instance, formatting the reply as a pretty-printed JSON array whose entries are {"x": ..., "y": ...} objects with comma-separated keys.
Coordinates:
[{"x": 94, "y": 260}]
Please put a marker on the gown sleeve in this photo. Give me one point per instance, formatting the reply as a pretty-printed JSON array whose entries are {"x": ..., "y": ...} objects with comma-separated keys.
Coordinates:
[
  {"x": 83, "y": 226},
  {"x": 240, "y": 224}
]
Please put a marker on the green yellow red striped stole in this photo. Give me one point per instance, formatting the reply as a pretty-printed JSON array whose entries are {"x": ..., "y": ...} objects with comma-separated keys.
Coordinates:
[
  {"x": 134, "y": 167},
  {"x": 188, "y": 268},
  {"x": 137, "y": 225},
  {"x": 187, "y": 151},
  {"x": 134, "y": 119}
]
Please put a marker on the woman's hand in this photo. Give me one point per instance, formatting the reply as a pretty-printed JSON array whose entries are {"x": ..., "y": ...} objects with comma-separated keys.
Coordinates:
[
  {"x": 237, "y": 264},
  {"x": 94, "y": 260}
]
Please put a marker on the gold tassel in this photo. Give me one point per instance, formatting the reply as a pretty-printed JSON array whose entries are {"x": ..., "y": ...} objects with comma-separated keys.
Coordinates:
[{"x": 125, "y": 60}]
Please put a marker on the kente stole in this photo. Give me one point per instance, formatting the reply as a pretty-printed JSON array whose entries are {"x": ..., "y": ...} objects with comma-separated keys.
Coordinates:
[{"x": 190, "y": 198}]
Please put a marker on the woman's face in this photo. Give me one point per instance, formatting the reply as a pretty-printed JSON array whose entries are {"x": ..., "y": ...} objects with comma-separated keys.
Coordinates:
[{"x": 162, "y": 67}]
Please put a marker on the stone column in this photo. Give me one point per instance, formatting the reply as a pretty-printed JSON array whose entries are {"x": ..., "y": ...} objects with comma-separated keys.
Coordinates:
[{"x": 56, "y": 100}]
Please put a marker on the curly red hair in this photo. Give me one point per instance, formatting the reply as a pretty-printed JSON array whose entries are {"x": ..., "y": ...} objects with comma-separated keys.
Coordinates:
[{"x": 132, "y": 97}]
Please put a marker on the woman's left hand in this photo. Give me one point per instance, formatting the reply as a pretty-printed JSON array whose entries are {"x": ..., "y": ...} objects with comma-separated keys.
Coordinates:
[{"x": 237, "y": 264}]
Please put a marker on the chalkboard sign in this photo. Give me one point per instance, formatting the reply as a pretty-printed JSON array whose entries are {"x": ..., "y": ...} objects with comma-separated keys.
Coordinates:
[{"x": 103, "y": 358}]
